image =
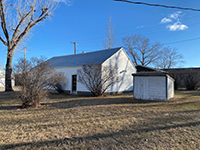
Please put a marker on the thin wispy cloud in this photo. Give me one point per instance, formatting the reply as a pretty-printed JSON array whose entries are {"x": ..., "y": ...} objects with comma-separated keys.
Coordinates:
[
  {"x": 165, "y": 20},
  {"x": 175, "y": 15},
  {"x": 139, "y": 27},
  {"x": 175, "y": 19},
  {"x": 67, "y": 2}
]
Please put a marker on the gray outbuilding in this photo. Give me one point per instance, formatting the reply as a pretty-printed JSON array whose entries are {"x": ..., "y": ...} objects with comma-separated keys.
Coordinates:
[{"x": 153, "y": 86}]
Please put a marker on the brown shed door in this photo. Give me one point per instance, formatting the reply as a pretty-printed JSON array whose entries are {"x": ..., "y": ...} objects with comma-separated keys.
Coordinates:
[{"x": 74, "y": 83}]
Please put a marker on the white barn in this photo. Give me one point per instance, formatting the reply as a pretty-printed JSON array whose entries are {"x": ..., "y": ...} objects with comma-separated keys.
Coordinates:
[
  {"x": 110, "y": 57},
  {"x": 153, "y": 86}
]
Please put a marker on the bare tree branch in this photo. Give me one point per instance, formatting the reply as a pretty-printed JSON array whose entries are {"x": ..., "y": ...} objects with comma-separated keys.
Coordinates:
[
  {"x": 169, "y": 57},
  {"x": 141, "y": 50},
  {"x": 3, "y": 41},
  {"x": 110, "y": 39},
  {"x": 20, "y": 22},
  {"x": 3, "y": 22}
]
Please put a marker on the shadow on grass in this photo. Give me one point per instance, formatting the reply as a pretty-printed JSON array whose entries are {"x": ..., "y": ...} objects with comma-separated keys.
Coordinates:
[
  {"x": 79, "y": 101},
  {"x": 9, "y": 107},
  {"x": 97, "y": 101},
  {"x": 189, "y": 92},
  {"x": 9, "y": 95},
  {"x": 186, "y": 103},
  {"x": 78, "y": 140},
  {"x": 66, "y": 96},
  {"x": 120, "y": 100},
  {"x": 188, "y": 111}
]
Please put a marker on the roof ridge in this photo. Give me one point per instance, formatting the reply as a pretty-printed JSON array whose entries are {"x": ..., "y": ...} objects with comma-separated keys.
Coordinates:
[
  {"x": 79, "y": 60},
  {"x": 88, "y": 52}
]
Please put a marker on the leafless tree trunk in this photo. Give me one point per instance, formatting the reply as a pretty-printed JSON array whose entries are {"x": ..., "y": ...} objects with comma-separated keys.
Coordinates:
[
  {"x": 96, "y": 79},
  {"x": 17, "y": 20},
  {"x": 141, "y": 50},
  {"x": 110, "y": 36},
  {"x": 168, "y": 58}
]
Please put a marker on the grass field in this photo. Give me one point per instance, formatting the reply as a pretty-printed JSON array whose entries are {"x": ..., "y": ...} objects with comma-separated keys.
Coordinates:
[{"x": 111, "y": 122}]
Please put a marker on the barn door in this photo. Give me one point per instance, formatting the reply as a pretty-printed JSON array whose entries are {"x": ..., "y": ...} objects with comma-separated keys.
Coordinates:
[
  {"x": 74, "y": 84},
  {"x": 144, "y": 88}
]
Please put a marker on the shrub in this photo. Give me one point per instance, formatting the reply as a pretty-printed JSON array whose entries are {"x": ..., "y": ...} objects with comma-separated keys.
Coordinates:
[
  {"x": 36, "y": 78},
  {"x": 98, "y": 79}
]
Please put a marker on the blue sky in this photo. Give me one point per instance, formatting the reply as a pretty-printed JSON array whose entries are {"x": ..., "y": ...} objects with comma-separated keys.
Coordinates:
[{"x": 85, "y": 21}]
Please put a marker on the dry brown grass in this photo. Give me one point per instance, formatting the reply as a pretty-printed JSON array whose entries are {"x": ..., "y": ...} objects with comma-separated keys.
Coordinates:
[{"x": 111, "y": 122}]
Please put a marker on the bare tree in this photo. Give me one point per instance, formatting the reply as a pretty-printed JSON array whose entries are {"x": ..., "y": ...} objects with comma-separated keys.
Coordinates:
[
  {"x": 188, "y": 78},
  {"x": 169, "y": 57},
  {"x": 17, "y": 19},
  {"x": 141, "y": 50},
  {"x": 191, "y": 79},
  {"x": 98, "y": 79},
  {"x": 35, "y": 80},
  {"x": 110, "y": 36},
  {"x": 178, "y": 76}
]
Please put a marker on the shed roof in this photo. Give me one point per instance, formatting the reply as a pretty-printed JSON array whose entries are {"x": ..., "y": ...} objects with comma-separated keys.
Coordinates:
[
  {"x": 97, "y": 57},
  {"x": 141, "y": 68}
]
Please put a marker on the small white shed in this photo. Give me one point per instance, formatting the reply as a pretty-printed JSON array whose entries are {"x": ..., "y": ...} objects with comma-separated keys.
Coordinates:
[{"x": 153, "y": 86}]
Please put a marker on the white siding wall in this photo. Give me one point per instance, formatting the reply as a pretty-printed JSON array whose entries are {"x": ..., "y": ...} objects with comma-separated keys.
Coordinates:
[
  {"x": 2, "y": 79},
  {"x": 2, "y": 82},
  {"x": 68, "y": 72},
  {"x": 170, "y": 87},
  {"x": 125, "y": 70},
  {"x": 150, "y": 88}
]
